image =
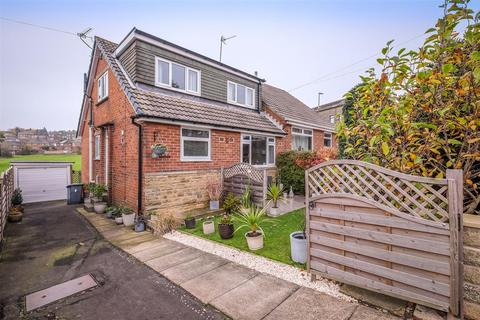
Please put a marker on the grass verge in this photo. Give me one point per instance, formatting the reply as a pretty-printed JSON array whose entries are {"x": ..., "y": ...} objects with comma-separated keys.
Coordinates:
[{"x": 276, "y": 243}]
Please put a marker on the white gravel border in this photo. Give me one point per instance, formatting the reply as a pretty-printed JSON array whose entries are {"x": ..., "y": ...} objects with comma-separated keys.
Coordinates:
[{"x": 261, "y": 264}]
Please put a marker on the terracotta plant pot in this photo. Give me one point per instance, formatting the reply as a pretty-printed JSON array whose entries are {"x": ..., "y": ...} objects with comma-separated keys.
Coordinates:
[
  {"x": 15, "y": 216},
  {"x": 128, "y": 219},
  {"x": 254, "y": 242},
  {"x": 190, "y": 223},
  {"x": 225, "y": 230},
  {"x": 100, "y": 207},
  {"x": 208, "y": 227}
]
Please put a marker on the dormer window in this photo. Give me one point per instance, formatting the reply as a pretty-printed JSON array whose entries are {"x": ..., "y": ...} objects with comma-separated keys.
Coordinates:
[
  {"x": 176, "y": 76},
  {"x": 103, "y": 87},
  {"x": 240, "y": 95}
]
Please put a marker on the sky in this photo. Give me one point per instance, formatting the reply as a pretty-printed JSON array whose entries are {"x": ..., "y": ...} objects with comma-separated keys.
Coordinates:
[{"x": 304, "y": 47}]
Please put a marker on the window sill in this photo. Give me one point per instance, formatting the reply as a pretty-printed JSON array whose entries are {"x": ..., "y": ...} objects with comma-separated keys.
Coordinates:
[
  {"x": 101, "y": 101},
  {"x": 97, "y": 159},
  {"x": 194, "y": 160}
]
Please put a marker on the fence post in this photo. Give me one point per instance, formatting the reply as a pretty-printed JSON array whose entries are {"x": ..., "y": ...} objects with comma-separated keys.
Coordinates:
[
  {"x": 265, "y": 186},
  {"x": 307, "y": 220},
  {"x": 455, "y": 213}
]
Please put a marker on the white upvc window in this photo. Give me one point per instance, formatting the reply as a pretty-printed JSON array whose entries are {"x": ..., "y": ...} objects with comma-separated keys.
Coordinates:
[
  {"x": 327, "y": 139},
  {"x": 176, "y": 76},
  {"x": 103, "y": 86},
  {"x": 240, "y": 95},
  {"x": 195, "y": 144},
  {"x": 257, "y": 150},
  {"x": 302, "y": 139},
  {"x": 332, "y": 119},
  {"x": 97, "y": 147}
]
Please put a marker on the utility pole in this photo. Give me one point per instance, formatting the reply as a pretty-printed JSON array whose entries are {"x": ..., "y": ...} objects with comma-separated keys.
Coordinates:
[
  {"x": 319, "y": 95},
  {"x": 223, "y": 41}
]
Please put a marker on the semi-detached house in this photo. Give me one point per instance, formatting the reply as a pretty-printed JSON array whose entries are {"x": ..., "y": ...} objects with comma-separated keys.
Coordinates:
[{"x": 145, "y": 90}]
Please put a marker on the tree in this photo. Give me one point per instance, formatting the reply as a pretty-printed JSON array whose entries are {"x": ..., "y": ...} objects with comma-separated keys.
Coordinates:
[{"x": 421, "y": 114}]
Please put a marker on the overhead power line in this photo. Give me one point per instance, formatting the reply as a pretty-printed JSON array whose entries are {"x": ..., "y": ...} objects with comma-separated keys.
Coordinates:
[{"x": 323, "y": 77}]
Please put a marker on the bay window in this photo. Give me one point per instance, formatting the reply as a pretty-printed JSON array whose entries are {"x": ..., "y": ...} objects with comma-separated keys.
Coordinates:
[
  {"x": 176, "y": 76},
  {"x": 240, "y": 94},
  {"x": 258, "y": 150},
  {"x": 195, "y": 144},
  {"x": 302, "y": 139}
]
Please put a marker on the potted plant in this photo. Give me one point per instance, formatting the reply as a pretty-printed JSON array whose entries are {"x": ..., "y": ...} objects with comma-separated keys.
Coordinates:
[
  {"x": 231, "y": 203},
  {"x": 128, "y": 216},
  {"x": 139, "y": 224},
  {"x": 209, "y": 226},
  {"x": 90, "y": 188},
  {"x": 274, "y": 194},
  {"x": 158, "y": 150},
  {"x": 117, "y": 215},
  {"x": 214, "y": 191},
  {"x": 109, "y": 212},
  {"x": 225, "y": 227},
  {"x": 98, "y": 191},
  {"x": 190, "y": 221},
  {"x": 16, "y": 211},
  {"x": 298, "y": 245},
  {"x": 252, "y": 218},
  {"x": 246, "y": 199}
]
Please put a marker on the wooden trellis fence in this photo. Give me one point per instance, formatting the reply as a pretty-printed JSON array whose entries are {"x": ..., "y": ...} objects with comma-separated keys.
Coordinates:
[
  {"x": 242, "y": 175},
  {"x": 397, "y": 234},
  {"x": 6, "y": 190}
]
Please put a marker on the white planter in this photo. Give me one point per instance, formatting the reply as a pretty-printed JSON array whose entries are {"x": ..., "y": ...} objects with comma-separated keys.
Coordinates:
[
  {"x": 128, "y": 219},
  {"x": 298, "y": 247},
  {"x": 208, "y": 227},
  {"x": 274, "y": 212},
  {"x": 254, "y": 243},
  {"x": 118, "y": 220},
  {"x": 87, "y": 200},
  {"x": 214, "y": 204},
  {"x": 99, "y": 207}
]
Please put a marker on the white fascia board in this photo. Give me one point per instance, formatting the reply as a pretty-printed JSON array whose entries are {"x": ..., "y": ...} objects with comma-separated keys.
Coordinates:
[
  {"x": 206, "y": 126},
  {"x": 134, "y": 36}
]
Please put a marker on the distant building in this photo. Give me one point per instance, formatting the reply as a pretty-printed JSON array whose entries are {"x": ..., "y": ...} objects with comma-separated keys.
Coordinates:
[{"x": 330, "y": 112}]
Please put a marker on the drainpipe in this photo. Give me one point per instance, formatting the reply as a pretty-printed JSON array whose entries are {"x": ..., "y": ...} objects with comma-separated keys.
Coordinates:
[
  {"x": 90, "y": 136},
  {"x": 140, "y": 165},
  {"x": 107, "y": 146}
]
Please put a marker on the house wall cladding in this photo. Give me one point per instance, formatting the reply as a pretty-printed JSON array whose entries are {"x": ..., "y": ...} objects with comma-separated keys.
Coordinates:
[
  {"x": 122, "y": 139},
  {"x": 177, "y": 192},
  {"x": 139, "y": 61},
  {"x": 471, "y": 242}
]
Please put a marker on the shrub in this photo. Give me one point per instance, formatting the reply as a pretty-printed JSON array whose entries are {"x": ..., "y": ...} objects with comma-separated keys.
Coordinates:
[
  {"x": 231, "y": 203},
  {"x": 17, "y": 198},
  {"x": 291, "y": 166}
]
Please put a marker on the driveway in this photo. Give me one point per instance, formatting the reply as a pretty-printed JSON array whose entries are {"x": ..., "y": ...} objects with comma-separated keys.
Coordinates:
[{"x": 54, "y": 244}]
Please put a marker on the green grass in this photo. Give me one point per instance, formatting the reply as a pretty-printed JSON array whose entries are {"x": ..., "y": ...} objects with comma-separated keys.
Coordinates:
[
  {"x": 276, "y": 244},
  {"x": 75, "y": 158}
]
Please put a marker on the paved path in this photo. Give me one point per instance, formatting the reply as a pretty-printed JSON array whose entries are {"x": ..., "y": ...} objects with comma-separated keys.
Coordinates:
[
  {"x": 54, "y": 244},
  {"x": 238, "y": 292}
]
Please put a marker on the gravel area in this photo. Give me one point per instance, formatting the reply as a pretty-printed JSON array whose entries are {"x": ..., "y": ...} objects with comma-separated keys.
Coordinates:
[{"x": 261, "y": 264}]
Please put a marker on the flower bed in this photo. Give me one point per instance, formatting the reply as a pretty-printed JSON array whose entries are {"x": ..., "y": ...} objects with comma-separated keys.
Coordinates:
[{"x": 277, "y": 236}]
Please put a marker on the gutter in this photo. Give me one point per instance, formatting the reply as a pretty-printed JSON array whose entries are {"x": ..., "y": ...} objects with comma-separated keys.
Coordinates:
[{"x": 140, "y": 165}]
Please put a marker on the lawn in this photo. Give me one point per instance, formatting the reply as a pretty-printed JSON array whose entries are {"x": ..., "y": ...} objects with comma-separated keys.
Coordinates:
[
  {"x": 276, "y": 243},
  {"x": 75, "y": 158}
]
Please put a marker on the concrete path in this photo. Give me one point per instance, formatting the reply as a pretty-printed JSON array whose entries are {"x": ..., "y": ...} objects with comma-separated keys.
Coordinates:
[
  {"x": 54, "y": 244},
  {"x": 236, "y": 291}
]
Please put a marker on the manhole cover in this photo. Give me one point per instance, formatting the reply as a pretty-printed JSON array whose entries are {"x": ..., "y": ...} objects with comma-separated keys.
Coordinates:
[{"x": 43, "y": 297}]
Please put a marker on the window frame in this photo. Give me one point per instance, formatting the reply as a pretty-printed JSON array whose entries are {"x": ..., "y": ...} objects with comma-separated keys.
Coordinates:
[
  {"x": 208, "y": 140},
  {"x": 329, "y": 138},
  {"x": 303, "y": 134},
  {"x": 332, "y": 119},
  {"x": 104, "y": 78},
  {"x": 96, "y": 147},
  {"x": 247, "y": 88},
  {"x": 170, "y": 75},
  {"x": 249, "y": 142}
]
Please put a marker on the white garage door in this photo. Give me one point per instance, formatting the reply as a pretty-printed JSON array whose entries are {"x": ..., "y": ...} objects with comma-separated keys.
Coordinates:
[{"x": 43, "y": 183}]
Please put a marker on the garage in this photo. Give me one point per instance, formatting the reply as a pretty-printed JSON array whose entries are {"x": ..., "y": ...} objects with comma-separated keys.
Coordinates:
[{"x": 42, "y": 181}]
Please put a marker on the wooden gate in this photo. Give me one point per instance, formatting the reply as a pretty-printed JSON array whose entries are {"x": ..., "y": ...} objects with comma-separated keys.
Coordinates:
[
  {"x": 393, "y": 233},
  {"x": 242, "y": 175}
]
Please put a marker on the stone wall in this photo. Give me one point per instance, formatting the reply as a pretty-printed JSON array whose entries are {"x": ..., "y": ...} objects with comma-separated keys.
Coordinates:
[
  {"x": 177, "y": 192},
  {"x": 471, "y": 250}
]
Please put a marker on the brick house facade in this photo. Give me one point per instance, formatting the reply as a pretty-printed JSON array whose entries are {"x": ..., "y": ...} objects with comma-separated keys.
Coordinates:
[{"x": 136, "y": 113}]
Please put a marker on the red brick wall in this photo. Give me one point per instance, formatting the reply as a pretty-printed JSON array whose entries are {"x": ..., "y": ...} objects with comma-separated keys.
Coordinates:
[
  {"x": 123, "y": 150},
  {"x": 225, "y": 149}
]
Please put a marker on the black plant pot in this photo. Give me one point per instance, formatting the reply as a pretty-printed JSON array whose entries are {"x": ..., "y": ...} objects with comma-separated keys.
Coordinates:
[
  {"x": 190, "y": 223},
  {"x": 225, "y": 230}
]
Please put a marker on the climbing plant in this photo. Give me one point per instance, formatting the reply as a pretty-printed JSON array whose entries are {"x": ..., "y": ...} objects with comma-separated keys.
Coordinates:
[{"x": 420, "y": 114}]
